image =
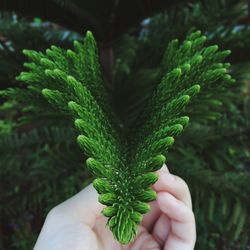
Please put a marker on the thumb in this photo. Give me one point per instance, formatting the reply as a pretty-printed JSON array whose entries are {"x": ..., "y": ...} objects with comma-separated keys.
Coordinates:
[{"x": 82, "y": 207}]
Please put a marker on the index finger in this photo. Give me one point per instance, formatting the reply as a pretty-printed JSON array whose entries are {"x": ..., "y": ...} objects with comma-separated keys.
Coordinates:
[{"x": 174, "y": 185}]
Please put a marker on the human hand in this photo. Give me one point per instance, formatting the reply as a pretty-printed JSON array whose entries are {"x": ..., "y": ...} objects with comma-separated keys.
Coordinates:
[{"x": 77, "y": 223}]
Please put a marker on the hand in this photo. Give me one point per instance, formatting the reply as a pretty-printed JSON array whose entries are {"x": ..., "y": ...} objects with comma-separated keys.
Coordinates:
[{"x": 77, "y": 223}]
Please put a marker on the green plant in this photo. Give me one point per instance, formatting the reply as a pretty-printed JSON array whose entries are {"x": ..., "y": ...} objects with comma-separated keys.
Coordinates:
[{"x": 123, "y": 159}]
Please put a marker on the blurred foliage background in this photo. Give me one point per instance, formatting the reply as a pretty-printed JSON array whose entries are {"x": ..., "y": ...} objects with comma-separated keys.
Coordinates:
[{"x": 40, "y": 163}]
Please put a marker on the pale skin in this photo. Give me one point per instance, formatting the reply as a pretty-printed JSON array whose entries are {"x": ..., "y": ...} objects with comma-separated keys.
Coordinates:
[{"x": 77, "y": 223}]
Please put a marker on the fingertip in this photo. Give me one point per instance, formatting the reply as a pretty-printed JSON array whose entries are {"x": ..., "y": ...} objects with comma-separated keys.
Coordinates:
[
  {"x": 164, "y": 179},
  {"x": 163, "y": 169},
  {"x": 175, "y": 186}
]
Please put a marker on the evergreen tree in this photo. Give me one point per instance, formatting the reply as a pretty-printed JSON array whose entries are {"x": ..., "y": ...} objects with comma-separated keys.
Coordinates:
[{"x": 212, "y": 155}]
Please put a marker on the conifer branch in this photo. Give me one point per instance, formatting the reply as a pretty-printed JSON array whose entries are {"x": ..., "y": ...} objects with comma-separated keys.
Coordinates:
[{"x": 124, "y": 165}]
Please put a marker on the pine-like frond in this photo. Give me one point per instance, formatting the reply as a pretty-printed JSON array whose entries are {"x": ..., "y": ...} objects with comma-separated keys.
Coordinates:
[{"x": 123, "y": 162}]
